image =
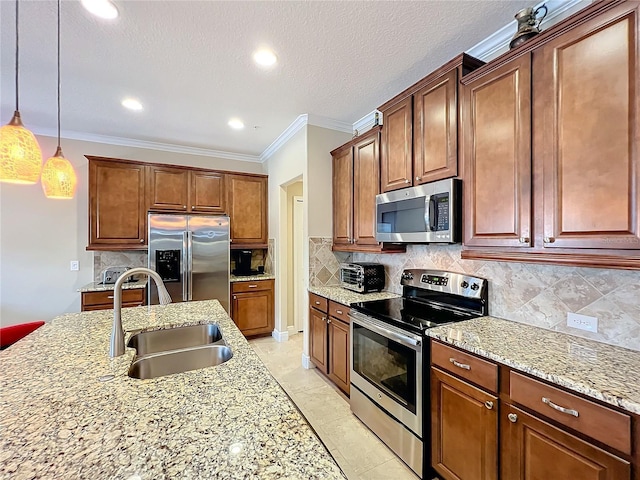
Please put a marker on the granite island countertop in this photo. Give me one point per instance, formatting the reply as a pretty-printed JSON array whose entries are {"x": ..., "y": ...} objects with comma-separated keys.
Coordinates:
[
  {"x": 232, "y": 421},
  {"x": 605, "y": 372},
  {"x": 347, "y": 297}
]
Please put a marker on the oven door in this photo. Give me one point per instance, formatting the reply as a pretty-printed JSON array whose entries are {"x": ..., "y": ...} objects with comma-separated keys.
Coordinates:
[{"x": 386, "y": 365}]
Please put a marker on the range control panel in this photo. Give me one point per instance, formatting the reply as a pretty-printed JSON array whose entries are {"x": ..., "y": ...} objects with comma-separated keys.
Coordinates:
[
  {"x": 434, "y": 280},
  {"x": 446, "y": 282}
]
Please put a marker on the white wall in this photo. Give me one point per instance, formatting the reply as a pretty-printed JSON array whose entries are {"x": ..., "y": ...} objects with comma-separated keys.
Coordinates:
[{"x": 38, "y": 237}]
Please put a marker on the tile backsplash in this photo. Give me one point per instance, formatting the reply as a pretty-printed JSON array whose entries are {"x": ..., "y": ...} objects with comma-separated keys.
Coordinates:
[
  {"x": 539, "y": 295},
  {"x": 103, "y": 260},
  {"x": 324, "y": 265}
]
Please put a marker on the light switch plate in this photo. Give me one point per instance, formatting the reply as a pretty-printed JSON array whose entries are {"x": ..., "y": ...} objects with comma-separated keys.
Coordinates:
[
  {"x": 75, "y": 265},
  {"x": 582, "y": 322}
]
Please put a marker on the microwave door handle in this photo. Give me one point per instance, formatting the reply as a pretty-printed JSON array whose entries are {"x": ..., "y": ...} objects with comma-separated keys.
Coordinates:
[
  {"x": 427, "y": 212},
  {"x": 433, "y": 214}
]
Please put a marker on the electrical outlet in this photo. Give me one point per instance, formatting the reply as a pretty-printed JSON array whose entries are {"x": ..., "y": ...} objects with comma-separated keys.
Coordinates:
[
  {"x": 75, "y": 265},
  {"x": 583, "y": 322}
]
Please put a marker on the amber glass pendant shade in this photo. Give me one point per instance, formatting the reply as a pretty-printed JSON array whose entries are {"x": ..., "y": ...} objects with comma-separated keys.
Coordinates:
[
  {"x": 58, "y": 177},
  {"x": 20, "y": 155}
]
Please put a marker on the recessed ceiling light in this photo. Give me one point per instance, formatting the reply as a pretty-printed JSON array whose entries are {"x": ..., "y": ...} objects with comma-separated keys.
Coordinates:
[
  {"x": 264, "y": 57},
  {"x": 236, "y": 124},
  {"x": 101, "y": 8},
  {"x": 132, "y": 104}
]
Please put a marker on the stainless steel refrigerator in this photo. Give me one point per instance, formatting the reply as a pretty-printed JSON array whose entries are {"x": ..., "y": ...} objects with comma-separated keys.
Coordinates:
[{"x": 191, "y": 254}]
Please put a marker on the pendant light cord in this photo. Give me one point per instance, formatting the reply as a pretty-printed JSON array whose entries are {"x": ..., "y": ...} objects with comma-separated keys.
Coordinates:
[
  {"x": 58, "y": 73},
  {"x": 17, "y": 51}
]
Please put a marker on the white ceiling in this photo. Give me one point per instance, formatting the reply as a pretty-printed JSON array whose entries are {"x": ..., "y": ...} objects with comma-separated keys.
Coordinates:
[{"x": 189, "y": 62}]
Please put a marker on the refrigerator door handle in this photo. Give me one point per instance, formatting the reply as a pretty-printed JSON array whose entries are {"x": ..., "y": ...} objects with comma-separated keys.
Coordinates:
[
  {"x": 186, "y": 254},
  {"x": 190, "y": 265}
]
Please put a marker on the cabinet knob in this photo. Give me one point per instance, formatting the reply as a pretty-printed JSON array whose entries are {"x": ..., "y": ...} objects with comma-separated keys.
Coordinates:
[
  {"x": 524, "y": 239},
  {"x": 235, "y": 298},
  {"x": 549, "y": 239},
  {"x": 406, "y": 180},
  {"x": 231, "y": 240},
  {"x": 193, "y": 207},
  {"x": 513, "y": 418},
  {"x": 324, "y": 319},
  {"x": 418, "y": 179},
  {"x": 328, "y": 320},
  {"x": 142, "y": 240},
  {"x": 184, "y": 206},
  {"x": 488, "y": 404}
]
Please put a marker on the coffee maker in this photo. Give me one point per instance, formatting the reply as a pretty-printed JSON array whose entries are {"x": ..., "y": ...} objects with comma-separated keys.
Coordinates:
[{"x": 243, "y": 263}]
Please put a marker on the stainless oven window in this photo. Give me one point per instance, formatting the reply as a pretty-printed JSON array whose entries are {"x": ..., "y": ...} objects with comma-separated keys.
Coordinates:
[{"x": 388, "y": 365}]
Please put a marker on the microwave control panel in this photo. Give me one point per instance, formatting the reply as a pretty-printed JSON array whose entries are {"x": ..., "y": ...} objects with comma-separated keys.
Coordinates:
[{"x": 442, "y": 214}]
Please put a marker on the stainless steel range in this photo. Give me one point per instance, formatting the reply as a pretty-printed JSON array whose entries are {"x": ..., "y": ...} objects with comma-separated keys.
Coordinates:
[{"x": 390, "y": 356}]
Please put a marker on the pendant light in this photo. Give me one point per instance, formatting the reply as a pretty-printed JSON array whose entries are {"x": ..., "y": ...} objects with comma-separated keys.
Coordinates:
[
  {"x": 20, "y": 155},
  {"x": 58, "y": 177}
]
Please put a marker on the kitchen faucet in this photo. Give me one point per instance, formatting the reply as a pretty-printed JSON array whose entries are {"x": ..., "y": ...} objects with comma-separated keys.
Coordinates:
[{"x": 116, "y": 347}]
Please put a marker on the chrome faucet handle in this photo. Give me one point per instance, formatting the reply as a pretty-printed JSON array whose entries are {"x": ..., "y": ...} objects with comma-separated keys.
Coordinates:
[{"x": 116, "y": 345}]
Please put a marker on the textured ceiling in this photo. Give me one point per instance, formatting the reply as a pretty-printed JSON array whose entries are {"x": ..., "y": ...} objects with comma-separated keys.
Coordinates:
[{"x": 190, "y": 63}]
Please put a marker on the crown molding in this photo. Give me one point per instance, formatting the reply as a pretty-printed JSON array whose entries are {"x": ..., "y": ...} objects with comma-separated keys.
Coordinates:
[
  {"x": 498, "y": 42},
  {"x": 299, "y": 123},
  {"x": 129, "y": 142},
  {"x": 367, "y": 122}
]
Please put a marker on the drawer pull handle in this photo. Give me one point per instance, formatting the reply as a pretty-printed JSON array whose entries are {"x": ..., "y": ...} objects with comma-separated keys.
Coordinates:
[
  {"x": 488, "y": 404},
  {"x": 253, "y": 286},
  {"x": 317, "y": 302},
  {"x": 513, "y": 418},
  {"x": 460, "y": 365},
  {"x": 110, "y": 296},
  {"x": 568, "y": 411},
  {"x": 339, "y": 312}
]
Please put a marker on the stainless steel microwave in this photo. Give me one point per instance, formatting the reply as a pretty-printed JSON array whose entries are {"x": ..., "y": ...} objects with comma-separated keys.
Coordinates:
[{"x": 429, "y": 213}]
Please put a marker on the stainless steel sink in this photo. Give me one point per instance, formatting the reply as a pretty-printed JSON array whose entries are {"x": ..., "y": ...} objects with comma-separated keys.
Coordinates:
[
  {"x": 168, "y": 363},
  {"x": 177, "y": 338}
]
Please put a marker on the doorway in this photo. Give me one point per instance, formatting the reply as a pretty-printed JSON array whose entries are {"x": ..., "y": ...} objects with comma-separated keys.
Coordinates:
[{"x": 297, "y": 244}]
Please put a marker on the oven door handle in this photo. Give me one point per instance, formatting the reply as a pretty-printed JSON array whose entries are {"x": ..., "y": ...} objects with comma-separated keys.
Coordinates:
[{"x": 412, "y": 343}]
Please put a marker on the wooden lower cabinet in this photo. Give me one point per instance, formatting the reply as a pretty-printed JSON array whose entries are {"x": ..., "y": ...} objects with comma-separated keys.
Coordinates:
[
  {"x": 339, "y": 340},
  {"x": 318, "y": 339},
  {"x": 532, "y": 449},
  {"x": 252, "y": 307},
  {"x": 103, "y": 300},
  {"x": 464, "y": 429}
]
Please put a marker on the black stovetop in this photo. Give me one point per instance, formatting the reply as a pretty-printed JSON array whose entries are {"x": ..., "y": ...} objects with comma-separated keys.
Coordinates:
[{"x": 413, "y": 315}]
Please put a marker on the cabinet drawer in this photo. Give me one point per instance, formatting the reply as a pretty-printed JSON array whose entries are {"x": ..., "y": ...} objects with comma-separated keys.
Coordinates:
[
  {"x": 106, "y": 297},
  {"x": 600, "y": 423},
  {"x": 318, "y": 302},
  {"x": 339, "y": 311},
  {"x": 476, "y": 370},
  {"x": 253, "y": 286}
]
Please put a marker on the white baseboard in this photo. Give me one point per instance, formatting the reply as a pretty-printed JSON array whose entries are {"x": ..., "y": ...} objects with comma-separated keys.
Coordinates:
[
  {"x": 280, "y": 336},
  {"x": 292, "y": 330},
  {"x": 306, "y": 362}
]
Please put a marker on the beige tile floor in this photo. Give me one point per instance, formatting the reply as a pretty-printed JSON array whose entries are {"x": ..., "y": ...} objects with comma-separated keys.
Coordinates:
[{"x": 360, "y": 454}]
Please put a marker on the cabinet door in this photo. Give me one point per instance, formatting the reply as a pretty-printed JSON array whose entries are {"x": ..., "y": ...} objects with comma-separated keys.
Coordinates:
[
  {"x": 318, "y": 339},
  {"x": 253, "y": 312},
  {"x": 207, "y": 192},
  {"x": 497, "y": 156},
  {"x": 435, "y": 134},
  {"x": 339, "y": 359},
  {"x": 464, "y": 430},
  {"x": 168, "y": 188},
  {"x": 535, "y": 450},
  {"x": 366, "y": 185},
  {"x": 343, "y": 197},
  {"x": 590, "y": 131},
  {"x": 397, "y": 145},
  {"x": 247, "y": 202},
  {"x": 117, "y": 205}
]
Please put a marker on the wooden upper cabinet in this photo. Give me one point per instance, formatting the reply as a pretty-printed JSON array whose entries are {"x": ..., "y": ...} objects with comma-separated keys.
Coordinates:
[
  {"x": 589, "y": 132},
  {"x": 397, "y": 138},
  {"x": 117, "y": 205},
  {"x": 168, "y": 188},
  {"x": 247, "y": 206},
  {"x": 435, "y": 130},
  {"x": 366, "y": 185},
  {"x": 343, "y": 196},
  {"x": 497, "y": 156},
  {"x": 207, "y": 192},
  {"x": 533, "y": 449}
]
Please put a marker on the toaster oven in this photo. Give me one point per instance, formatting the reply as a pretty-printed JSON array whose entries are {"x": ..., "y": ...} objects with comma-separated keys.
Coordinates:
[{"x": 362, "y": 277}]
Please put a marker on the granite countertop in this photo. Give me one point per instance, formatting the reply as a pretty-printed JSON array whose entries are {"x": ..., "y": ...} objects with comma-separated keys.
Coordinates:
[
  {"x": 347, "y": 297},
  {"x": 231, "y": 421},
  {"x": 251, "y": 278},
  {"x": 101, "y": 287},
  {"x": 598, "y": 370}
]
